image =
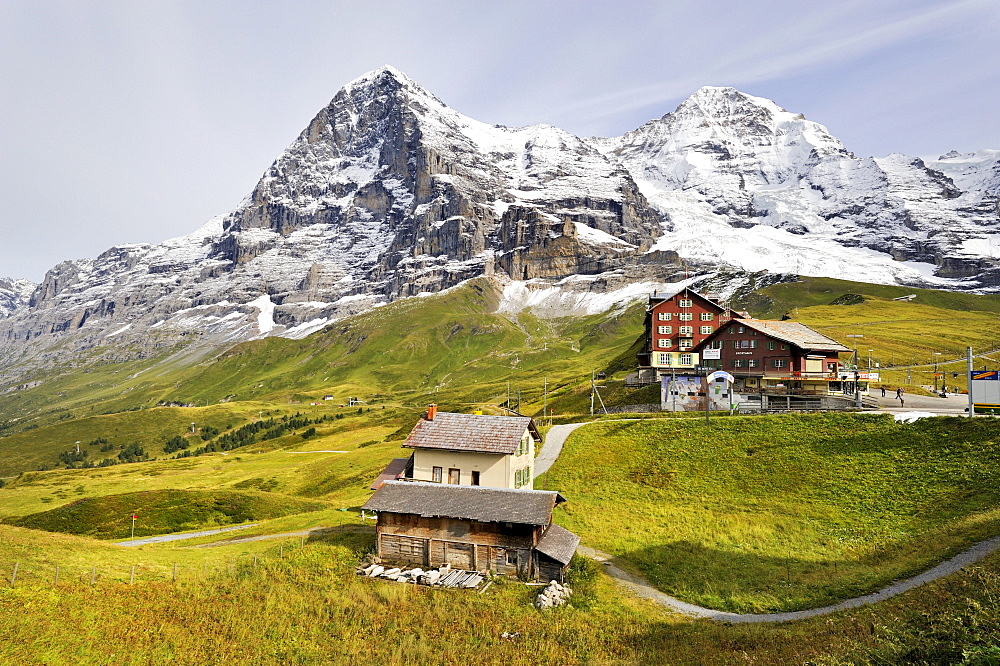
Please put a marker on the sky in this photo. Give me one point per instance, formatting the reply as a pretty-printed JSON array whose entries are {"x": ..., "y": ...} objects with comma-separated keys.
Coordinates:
[{"x": 134, "y": 122}]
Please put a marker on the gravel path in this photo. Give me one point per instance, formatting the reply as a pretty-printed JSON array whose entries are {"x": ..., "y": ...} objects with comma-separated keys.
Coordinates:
[
  {"x": 553, "y": 447},
  {"x": 180, "y": 537}
]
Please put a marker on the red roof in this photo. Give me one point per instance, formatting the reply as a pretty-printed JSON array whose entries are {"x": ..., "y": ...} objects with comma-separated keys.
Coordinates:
[{"x": 470, "y": 432}]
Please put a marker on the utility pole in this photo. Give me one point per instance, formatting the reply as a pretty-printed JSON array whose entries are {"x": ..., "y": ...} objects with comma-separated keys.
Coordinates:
[
  {"x": 592, "y": 389},
  {"x": 708, "y": 399},
  {"x": 968, "y": 356},
  {"x": 936, "y": 354},
  {"x": 545, "y": 397}
]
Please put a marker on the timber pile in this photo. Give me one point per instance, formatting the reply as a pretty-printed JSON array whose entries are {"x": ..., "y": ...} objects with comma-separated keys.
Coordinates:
[{"x": 441, "y": 577}]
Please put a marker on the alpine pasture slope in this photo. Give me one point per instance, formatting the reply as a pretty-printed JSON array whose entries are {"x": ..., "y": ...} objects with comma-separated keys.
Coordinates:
[{"x": 302, "y": 603}]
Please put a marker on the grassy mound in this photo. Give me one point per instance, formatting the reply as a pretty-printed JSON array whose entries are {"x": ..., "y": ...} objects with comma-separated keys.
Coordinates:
[
  {"x": 163, "y": 512},
  {"x": 785, "y": 512}
]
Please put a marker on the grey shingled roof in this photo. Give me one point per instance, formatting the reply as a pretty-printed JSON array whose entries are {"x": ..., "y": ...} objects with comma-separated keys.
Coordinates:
[
  {"x": 558, "y": 543},
  {"x": 470, "y": 432},
  {"x": 795, "y": 333},
  {"x": 486, "y": 505}
]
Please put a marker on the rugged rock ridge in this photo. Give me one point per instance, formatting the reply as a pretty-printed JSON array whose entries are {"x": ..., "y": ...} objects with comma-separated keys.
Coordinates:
[
  {"x": 14, "y": 295},
  {"x": 389, "y": 193}
]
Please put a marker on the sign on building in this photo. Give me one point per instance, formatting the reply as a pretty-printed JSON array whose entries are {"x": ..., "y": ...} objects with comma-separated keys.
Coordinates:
[{"x": 985, "y": 390}]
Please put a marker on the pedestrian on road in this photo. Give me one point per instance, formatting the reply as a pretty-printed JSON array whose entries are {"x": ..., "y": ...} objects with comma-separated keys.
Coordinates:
[
  {"x": 883, "y": 390},
  {"x": 899, "y": 393}
]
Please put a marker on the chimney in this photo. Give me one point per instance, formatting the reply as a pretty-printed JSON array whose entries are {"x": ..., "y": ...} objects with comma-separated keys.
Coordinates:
[{"x": 432, "y": 410}]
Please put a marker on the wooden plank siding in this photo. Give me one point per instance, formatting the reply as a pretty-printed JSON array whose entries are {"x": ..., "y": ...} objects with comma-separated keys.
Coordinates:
[{"x": 464, "y": 544}]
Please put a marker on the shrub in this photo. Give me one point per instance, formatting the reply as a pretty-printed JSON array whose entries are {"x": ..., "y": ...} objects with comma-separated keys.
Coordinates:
[{"x": 175, "y": 443}]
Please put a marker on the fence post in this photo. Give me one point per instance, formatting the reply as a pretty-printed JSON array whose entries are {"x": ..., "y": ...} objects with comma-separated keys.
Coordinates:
[
  {"x": 255, "y": 560},
  {"x": 175, "y": 572},
  {"x": 302, "y": 541},
  {"x": 281, "y": 553},
  {"x": 93, "y": 575},
  {"x": 57, "y": 576},
  {"x": 131, "y": 575},
  {"x": 13, "y": 577}
]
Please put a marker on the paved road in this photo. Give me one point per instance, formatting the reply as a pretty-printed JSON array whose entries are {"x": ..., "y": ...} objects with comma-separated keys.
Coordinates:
[
  {"x": 954, "y": 405},
  {"x": 553, "y": 447}
]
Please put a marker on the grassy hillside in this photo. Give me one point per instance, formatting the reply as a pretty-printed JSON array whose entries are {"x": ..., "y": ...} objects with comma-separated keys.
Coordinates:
[
  {"x": 163, "y": 512},
  {"x": 307, "y": 607},
  {"x": 785, "y": 512}
]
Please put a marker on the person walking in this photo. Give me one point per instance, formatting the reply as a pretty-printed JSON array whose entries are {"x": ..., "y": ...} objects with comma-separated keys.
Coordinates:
[{"x": 883, "y": 390}]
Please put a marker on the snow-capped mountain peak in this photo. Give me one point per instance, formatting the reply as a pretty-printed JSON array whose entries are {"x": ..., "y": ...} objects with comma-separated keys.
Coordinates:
[{"x": 389, "y": 193}]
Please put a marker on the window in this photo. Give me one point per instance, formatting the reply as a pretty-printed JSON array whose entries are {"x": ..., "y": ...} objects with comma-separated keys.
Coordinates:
[
  {"x": 663, "y": 359},
  {"x": 753, "y": 344},
  {"x": 716, "y": 344},
  {"x": 784, "y": 346},
  {"x": 686, "y": 316},
  {"x": 705, "y": 330},
  {"x": 751, "y": 363},
  {"x": 454, "y": 476},
  {"x": 744, "y": 344},
  {"x": 511, "y": 557},
  {"x": 685, "y": 359},
  {"x": 737, "y": 363},
  {"x": 770, "y": 344},
  {"x": 522, "y": 477},
  {"x": 522, "y": 447},
  {"x": 741, "y": 329},
  {"x": 736, "y": 344},
  {"x": 436, "y": 475},
  {"x": 685, "y": 330},
  {"x": 663, "y": 343},
  {"x": 707, "y": 316},
  {"x": 685, "y": 303},
  {"x": 665, "y": 330},
  {"x": 685, "y": 343},
  {"x": 663, "y": 316},
  {"x": 779, "y": 362}
]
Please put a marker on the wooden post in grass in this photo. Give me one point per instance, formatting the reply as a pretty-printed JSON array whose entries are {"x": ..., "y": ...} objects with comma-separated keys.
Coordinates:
[
  {"x": 175, "y": 572},
  {"x": 281, "y": 551},
  {"x": 57, "y": 576},
  {"x": 13, "y": 577},
  {"x": 131, "y": 576},
  {"x": 255, "y": 560},
  {"x": 93, "y": 575},
  {"x": 302, "y": 541}
]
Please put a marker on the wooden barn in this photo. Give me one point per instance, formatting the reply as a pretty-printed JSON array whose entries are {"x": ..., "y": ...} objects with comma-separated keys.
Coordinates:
[{"x": 472, "y": 527}]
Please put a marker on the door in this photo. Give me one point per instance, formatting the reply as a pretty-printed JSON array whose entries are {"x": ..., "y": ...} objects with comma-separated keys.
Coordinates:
[
  {"x": 454, "y": 475},
  {"x": 475, "y": 477}
]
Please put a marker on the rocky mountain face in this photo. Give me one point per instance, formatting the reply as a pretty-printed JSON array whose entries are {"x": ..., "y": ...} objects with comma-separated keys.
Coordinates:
[
  {"x": 14, "y": 295},
  {"x": 389, "y": 193}
]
